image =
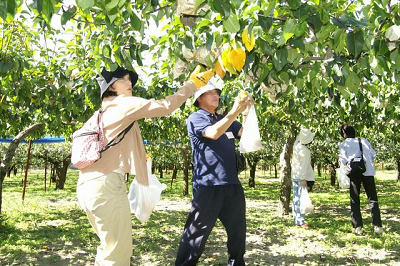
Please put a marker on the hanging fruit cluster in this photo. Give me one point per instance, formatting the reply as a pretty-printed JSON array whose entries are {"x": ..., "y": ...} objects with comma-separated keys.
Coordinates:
[{"x": 233, "y": 57}]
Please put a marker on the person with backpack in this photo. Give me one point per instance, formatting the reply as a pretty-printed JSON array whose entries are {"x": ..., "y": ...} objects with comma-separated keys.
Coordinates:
[
  {"x": 302, "y": 172},
  {"x": 101, "y": 187},
  {"x": 350, "y": 149}
]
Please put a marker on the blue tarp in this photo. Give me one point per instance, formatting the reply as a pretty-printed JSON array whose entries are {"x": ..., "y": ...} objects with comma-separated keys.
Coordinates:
[{"x": 47, "y": 139}]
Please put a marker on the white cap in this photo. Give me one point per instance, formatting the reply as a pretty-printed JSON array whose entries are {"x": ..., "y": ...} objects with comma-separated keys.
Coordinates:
[
  {"x": 211, "y": 85},
  {"x": 104, "y": 84},
  {"x": 306, "y": 136}
]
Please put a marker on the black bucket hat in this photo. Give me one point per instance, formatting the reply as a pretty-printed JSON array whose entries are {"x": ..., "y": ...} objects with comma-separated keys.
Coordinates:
[{"x": 107, "y": 78}]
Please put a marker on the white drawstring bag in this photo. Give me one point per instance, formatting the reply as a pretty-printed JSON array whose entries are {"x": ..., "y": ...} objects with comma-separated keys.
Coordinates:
[
  {"x": 305, "y": 202},
  {"x": 250, "y": 140},
  {"x": 343, "y": 179},
  {"x": 143, "y": 199}
]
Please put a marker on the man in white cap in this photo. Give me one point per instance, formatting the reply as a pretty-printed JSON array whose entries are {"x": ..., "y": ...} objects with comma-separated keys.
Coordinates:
[
  {"x": 217, "y": 191},
  {"x": 301, "y": 172},
  {"x": 101, "y": 186}
]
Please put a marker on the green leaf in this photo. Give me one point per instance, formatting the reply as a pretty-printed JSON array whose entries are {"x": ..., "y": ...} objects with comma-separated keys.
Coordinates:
[
  {"x": 324, "y": 16},
  {"x": 3, "y": 10},
  {"x": 121, "y": 3},
  {"x": 355, "y": 42},
  {"x": 338, "y": 43},
  {"x": 315, "y": 21},
  {"x": 284, "y": 76},
  {"x": 324, "y": 32},
  {"x": 210, "y": 40},
  {"x": 218, "y": 39},
  {"x": 223, "y": 8},
  {"x": 66, "y": 16},
  {"x": 353, "y": 82},
  {"x": 282, "y": 40},
  {"x": 395, "y": 57},
  {"x": 297, "y": 43},
  {"x": 139, "y": 57},
  {"x": 106, "y": 51},
  {"x": 339, "y": 23},
  {"x": 280, "y": 59},
  {"x": 85, "y": 4},
  {"x": 112, "y": 16},
  {"x": 264, "y": 75},
  {"x": 197, "y": 3},
  {"x": 136, "y": 23},
  {"x": 303, "y": 12},
  {"x": 118, "y": 56},
  {"x": 265, "y": 22},
  {"x": 11, "y": 6},
  {"x": 299, "y": 82},
  {"x": 292, "y": 55},
  {"x": 111, "y": 4},
  {"x": 289, "y": 29},
  {"x": 358, "y": 23},
  {"x": 380, "y": 47},
  {"x": 209, "y": 62},
  {"x": 47, "y": 10},
  {"x": 294, "y": 4},
  {"x": 5, "y": 66},
  {"x": 300, "y": 29},
  {"x": 270, "y": 8},
  {"x": 154, "y": 3},
  {"x": 232, "y": 23},
  {"x": 203, "y": 23},
  {"x": 189, "y": 43}
]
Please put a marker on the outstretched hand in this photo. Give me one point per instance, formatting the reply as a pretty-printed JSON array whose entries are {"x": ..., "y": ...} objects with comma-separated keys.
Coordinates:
[
  {"x": 200, "y": 79},
  {"x": 242, "y": 104}
]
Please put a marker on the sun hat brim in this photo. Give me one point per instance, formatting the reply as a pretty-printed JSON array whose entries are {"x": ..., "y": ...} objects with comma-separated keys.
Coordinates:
[
  {"x": 208, "y": 87},
  {"x": 107, "y": 78}
]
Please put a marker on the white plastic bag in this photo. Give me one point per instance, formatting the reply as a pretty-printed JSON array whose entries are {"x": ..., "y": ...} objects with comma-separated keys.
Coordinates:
[
  {"x": 143, "y": 199},
  {"x": 343, "y": 179},
  {"x": 250, "y": 140},
  {"x": 305, "y": 202}
]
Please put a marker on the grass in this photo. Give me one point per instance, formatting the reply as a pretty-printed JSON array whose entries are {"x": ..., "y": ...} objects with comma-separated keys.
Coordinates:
[{"x": 49, "y": 228}]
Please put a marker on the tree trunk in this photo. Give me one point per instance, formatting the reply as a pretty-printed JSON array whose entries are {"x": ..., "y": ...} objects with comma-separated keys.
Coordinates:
[
  {"x": 276, "y": 170},
  {"x": 286, "y": 180},
  {"x": 332, "y": 171},
  {"x": 7, "y": 158},
  {"x": 252, "y": 162},
  {"x": 160, "y": 170},
  {"x": 319, "y": 169},
  {"x": 61, "y": 172},
  {"x": 398, "y": 170},
  {"x": 10, "y": 170},
  {"x": 174, "y": 171},
  {"x": 186, "y": 152},
  {"x": 252, "y": 182}
]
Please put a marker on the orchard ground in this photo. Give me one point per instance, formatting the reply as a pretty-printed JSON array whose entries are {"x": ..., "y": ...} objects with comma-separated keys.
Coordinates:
[{"x": 49, "y": 228}]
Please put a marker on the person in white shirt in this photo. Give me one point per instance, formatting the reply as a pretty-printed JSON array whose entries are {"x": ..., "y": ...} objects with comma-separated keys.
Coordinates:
[
  {"x": 349, "y": 149},
  {"x": 301, "y": 172}
]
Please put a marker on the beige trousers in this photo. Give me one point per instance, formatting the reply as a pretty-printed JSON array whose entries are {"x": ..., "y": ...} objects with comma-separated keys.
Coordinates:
[{"x": 106, "y": 204}]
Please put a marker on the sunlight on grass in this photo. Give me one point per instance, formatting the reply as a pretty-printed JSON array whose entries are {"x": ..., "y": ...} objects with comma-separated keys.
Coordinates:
[{"x": 49, "y": 228}]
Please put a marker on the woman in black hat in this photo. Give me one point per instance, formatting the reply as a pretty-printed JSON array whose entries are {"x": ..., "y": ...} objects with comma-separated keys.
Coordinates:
[{"x": 101, "y": 186}]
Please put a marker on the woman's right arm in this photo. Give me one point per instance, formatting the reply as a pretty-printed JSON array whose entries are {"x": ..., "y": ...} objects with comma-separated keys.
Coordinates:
[{"x": 136, "y": 108}]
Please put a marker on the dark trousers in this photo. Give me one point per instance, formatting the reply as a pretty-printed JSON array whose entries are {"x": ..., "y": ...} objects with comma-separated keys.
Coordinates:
[
  {"x": 225, "y": 203},
  {"x": 370, "y": 189},
  {"x": 310, "y": 185}
]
